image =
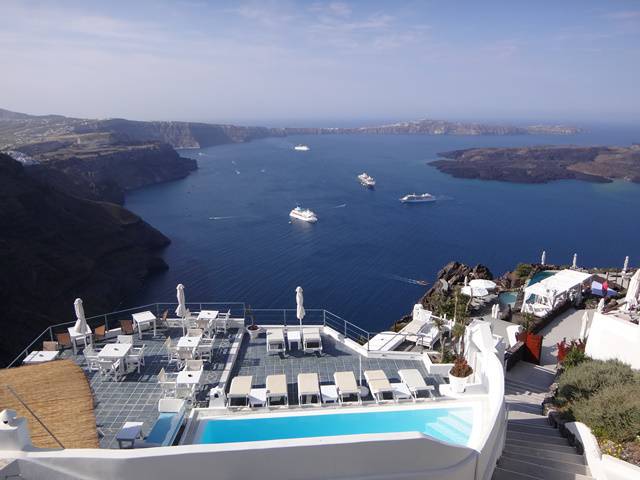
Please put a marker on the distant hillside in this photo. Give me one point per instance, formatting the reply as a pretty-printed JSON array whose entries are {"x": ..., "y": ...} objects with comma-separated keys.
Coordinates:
[
  {"x": 543, "y": 164},
  {"x": 55, "y": 247}
]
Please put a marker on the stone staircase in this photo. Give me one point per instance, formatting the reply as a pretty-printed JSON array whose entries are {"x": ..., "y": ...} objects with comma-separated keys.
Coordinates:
[{"x": 533, "y": 449}]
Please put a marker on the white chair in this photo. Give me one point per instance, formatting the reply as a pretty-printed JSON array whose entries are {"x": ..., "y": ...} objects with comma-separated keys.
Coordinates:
[
  {"x": 172, "y": 351},
  {"x": 135, "y": 358},
  {"x": 193, "y": 366},
  {"x": 222, "y": 322},
  {"x": 204, "y": 350},
  {"x": 185, "y": 354},
  {"x": 186, "y": 391},
  {"x": 92, "y": 359},
  {"x": 194, "y": 332},
  {"x": 125, "y": 339},
  {"x": 167, "y": 383},
  {"x": 109, "y": 369}
]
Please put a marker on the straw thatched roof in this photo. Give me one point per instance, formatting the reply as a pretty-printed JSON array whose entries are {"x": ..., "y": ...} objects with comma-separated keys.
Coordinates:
[{"x": 59, "y": 394}]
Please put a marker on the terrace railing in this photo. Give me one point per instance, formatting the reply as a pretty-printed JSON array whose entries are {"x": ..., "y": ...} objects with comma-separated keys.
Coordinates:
[{"x": 284, "y": 317}]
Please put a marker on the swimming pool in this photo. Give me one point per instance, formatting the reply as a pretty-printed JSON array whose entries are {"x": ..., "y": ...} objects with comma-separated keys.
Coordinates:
[
  {"x": 452, "y": 425},
  {"x": 507, "y": 298},
  {"x": 538, "y": 277}
]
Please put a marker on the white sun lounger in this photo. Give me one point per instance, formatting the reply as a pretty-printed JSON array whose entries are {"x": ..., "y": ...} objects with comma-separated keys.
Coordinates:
[
  {"x": 311, "y": 340},
  {"x": 308, "y": 386},
  {"x": 277, "y": 389},
  {"x": 240, "y": 389},
  {"x": 378, "y": 384},
  {"x": 347, "y": 387},
  {"x": 414, "y": 380},
  {"x": 275, "y": 340}
]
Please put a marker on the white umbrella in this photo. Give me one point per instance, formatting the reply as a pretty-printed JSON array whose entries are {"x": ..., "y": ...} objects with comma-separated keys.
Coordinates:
[
  {"x": 625, "y": 267},
  {"x": 181, "y": 311},
  {"x": 574, "y": 264},
  {"x": 466, "y": 280},
  {"x": 583, "y": 328},
  {"x": 470, "y": 291},
  {"x": 81, "y": 321},
  {"x": 600, "y": 305},
  {"x": 631, "y": 298},
  {"x": 543, "y": 257},
  {"x": 299, "y": 305},
  {"x": 481, "y": 283}
]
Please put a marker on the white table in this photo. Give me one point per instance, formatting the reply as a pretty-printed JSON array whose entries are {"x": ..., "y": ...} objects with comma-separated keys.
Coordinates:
[
  {"x": 189, "y": 342},
  {"x": 144, "y": 318},
  {"x": 208, "y": 314},
  {"x": 189, "y": 377},
  {"x": 40, "y": 357},
  {"x": 294, "y": 336},
  {"x": 116, "y": 351},
  {"x": 129, "y": 433},
  {"x": 258, "y": 397},
  {"x": 329, "y": 393},
  {"x": 401, "y": 391}
]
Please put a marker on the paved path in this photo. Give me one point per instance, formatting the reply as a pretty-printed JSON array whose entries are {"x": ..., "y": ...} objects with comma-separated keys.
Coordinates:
[{"x": 566, "y": 325}]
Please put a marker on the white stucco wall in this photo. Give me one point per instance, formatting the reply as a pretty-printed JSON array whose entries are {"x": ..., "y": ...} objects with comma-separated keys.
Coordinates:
[{"x": 611, "y": 337}]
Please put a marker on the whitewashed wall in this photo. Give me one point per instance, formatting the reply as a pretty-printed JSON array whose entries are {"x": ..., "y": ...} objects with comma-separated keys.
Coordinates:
[{"x": 611, "y": 337}]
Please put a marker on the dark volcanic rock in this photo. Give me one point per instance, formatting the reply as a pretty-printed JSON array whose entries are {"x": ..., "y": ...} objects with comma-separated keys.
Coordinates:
[
  {"x": 55, "y": 247},
  {"x": 543, "y": 164},
  {"x": 454, "y": 273}
]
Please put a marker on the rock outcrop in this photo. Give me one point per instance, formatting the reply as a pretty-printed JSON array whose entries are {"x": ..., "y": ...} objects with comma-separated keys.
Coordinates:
[
  {"x": 454, "y": 273},
  {"x": 55, "y": 247}
]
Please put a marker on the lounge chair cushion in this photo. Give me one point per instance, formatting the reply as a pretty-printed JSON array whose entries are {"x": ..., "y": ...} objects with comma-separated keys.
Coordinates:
[
  {"x": 311, "y": 333},
  {"x": 308, "y": 384},
  {"x": 275, "y": 335},
  {"x": 413, "y": 378},
  {"x": 240, "y": 386},
  {"x": 277, "y": 385},
  {"x": 378, "y": 381},
  {"x": 346, "y": 383}
]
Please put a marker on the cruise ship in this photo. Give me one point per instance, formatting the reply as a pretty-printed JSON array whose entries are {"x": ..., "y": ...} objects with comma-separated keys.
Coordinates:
[
  {"x": 305, "y": 215},
  {"x": 418, "y": 198},
  {"x": 301, "y": 148},
  {"x": 366, "y": 180}
]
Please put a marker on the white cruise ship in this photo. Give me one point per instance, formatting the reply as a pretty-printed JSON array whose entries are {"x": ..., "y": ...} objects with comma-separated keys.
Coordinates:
[
  {"x": 367, "y": 180},
  {"x": 418, "y": 198},
  {"x": 301, "y": 148},
  {"x": 305, "y": 215}
]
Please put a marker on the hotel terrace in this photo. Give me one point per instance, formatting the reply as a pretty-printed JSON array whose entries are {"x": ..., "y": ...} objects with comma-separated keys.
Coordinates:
[{"x": 213, "y": 390}]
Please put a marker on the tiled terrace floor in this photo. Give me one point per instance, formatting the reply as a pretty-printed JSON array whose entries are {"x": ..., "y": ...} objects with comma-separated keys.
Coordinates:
[{"x": 136, "y": 397}]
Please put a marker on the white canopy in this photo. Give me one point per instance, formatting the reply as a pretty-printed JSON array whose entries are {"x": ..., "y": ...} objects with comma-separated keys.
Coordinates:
[
  {"x": 481, "y": 283},
  {"x": 470, "y": 291},
  {"x": 633, "y": 291},
  {"x": 544, "y": 296},
  {"x": 81, "y": 322},
  {"x": 299, "y": 305},
  {"x": 181, "y": 311}
]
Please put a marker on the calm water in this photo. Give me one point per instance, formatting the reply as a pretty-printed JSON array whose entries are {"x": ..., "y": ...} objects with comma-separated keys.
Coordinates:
[{"x": 232, "y": 239}]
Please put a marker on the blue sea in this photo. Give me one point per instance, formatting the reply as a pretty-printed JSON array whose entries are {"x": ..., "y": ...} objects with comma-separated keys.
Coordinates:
[{"x": 233, "y": 239}]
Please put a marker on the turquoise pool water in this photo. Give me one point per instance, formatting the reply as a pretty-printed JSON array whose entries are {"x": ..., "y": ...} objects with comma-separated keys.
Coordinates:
[
  {"x": 538, "y": 277},
  {"x": 507, "y": 298},
  {"x": 448, "y": 425}
]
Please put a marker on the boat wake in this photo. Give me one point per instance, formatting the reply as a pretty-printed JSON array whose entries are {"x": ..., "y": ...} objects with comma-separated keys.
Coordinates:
[
  {"x": 222, "y": 218},
  {"x": 410, "y": 281},
  {"x": 342, "y": 205}
]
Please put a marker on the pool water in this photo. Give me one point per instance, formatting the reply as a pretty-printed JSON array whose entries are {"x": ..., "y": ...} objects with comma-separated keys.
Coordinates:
[
  {"x": 507, "y": 298},
  {"x": 538, "y": 277},
  {"x": 452, "y": 425}
]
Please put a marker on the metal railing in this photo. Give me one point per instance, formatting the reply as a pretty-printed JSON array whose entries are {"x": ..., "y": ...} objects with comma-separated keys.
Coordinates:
[{"x": 284, "y": 317}]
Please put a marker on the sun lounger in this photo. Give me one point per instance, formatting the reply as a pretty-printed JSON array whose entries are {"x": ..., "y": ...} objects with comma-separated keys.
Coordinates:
[
  {"x": 308, "y": 386},
  {"x": 378, "y": 384},
  {"x": 277, "y": 389},
  {"x": 347, "y": 387},
  {"x": 275, "y": 340},
  {"x": 239, "y": 390},
  {"x": 311, "y": 340},
  {"x": 414, "y": 380},
  {"x": 170, "y": 419}
]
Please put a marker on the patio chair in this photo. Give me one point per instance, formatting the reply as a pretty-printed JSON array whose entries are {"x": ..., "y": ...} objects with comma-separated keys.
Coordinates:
[
  {"x": 194, "y": 332},
  {"x": 204, "y": 350},
  {"x": 92, "y": 359},
  {"x": 109, "y": 369},
  {"x": 186, "y": 391},
  {"x": 135, "y": 358},
  {"x": 167, "y": 382},
  {"x": 185, "y": 354},
  {"x": 308, "y": 388},
  {"x": 79, "y": 338},
  {"x": 222, "y": 322},
  {"x": 193, "y": 365},
  {"x": 414, "y": 380},
  {"x": 50, "y": 346},
  {"x": 125, "y": 339},
  {"x": 275, "y": 340},
  {"x": 239, "y": 390},
  {"x": 378, "y": 384},
  {"x": 311, "y": 340},
  {"x": 347, "y": 387},
  {"x": 172, "y": 351},
  {"x": 277, "y": 389},
  {"x": 127, "y": 327},
  {"x": 100, "y": 333},
  {"x": 162, "y": 321},
  {"x": 64, "y": 339}
]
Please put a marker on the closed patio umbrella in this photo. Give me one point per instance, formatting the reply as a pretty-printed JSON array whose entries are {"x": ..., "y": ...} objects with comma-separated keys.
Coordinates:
[
  {"x": 625, "y": 266},
  {"x": 299, "y": 305},
  {"x": 81, "y": 322},
  {"x": 543, "y": 258},
  {"x": 631, "y": 298},
  {"x": 181, "y": 311},
  {"x": 583, "y": 327},
  {"x": 574, "y": 264},
  {"x": 600, "y": 306}
]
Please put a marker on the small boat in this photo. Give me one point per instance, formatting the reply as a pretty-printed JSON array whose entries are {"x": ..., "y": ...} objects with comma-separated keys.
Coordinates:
[
  {"x": 301, "y": 148},
  {"x": 366, "y": 180},
  {"x": 305, "y": 215},
  {"x": 415, "y": 198}
]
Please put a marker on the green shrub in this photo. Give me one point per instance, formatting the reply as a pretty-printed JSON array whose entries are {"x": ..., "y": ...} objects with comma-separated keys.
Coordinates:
[
  {"x": 612, "y": 413},
  {"x": 587, "y": 378},
  {"x": 575, "y": 356},
  {"x": 523, "y": 270}
]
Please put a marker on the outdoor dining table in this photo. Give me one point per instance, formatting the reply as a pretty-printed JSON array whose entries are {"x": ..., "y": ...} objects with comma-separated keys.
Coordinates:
[
  {"x": 189, "y": 377},
  {"x": 40, "y": 357},
  {"x": 189, "y": 342},
  {"x": 144, "y": 318},
  {"x": 116, "y": 351}
]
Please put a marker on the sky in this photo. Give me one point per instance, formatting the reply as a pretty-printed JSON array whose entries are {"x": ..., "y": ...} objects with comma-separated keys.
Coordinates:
[{"x": 317, "y": 62}]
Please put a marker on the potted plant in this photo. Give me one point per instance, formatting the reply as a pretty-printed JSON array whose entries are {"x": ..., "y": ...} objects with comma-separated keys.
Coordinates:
[
  {"x": 459, "y": 374},
  {"x": 253, "y": 330}
]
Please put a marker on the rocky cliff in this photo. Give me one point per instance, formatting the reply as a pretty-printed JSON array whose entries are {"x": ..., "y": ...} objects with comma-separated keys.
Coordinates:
[
  {"x": 55, "y": 247},
  {"x": 543, "y": 164}
]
